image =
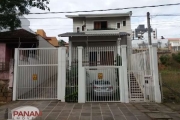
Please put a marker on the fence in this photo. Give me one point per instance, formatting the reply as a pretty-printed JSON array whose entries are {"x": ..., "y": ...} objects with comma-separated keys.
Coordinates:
[
  {"x": 71, "y": 93},
  {"x": 46, "y": 76}
]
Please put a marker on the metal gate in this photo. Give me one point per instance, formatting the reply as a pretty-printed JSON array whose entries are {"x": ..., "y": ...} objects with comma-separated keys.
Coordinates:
[
  {"x": 140, "y": 86},
  {"x": 140, "y": 77},
  {"x": 36, "y": 73},
  {"x": 102, "y": 76}
]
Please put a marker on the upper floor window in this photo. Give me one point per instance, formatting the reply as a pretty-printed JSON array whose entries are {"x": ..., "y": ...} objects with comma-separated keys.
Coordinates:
[
  {"x": 100, "y": 25},
  {"x": 83, "y": 28},
  {"x": 78, "y": 30},
  {"x": 118, "y": 25},
  {"x": 124, "y": 23}
]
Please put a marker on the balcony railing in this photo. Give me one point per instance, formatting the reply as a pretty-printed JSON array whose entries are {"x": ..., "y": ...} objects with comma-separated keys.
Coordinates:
[{"x": 102, "y": 29}]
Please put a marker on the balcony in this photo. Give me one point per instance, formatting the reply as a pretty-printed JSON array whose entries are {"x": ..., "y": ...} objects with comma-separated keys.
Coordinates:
[{"x": 102, "y": 30}]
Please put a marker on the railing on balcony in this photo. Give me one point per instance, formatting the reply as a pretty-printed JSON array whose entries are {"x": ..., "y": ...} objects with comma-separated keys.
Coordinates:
[{"x": 102, "y": 29}]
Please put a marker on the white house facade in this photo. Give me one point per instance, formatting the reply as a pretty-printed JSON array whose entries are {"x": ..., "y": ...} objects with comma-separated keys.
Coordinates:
[{"x": 99, "y": 30}]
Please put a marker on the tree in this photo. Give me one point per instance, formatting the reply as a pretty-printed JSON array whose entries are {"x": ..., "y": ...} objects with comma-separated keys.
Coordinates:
[
  {"x": 11, "y": 10},
  {"x": 62, "y": 43}
]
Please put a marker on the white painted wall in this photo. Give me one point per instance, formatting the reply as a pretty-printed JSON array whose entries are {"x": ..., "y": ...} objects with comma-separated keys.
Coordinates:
[
  {"x": 44, "y": 43},
  {"x": 112, "y": 23},
  {"x": 25, "y": 23}
]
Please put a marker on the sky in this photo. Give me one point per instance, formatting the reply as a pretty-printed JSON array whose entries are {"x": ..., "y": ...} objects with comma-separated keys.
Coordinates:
[{"x": 168, "y": 27}]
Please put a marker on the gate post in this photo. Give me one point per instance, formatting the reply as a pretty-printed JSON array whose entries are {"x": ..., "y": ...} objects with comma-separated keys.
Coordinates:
[
  {"x": 121, "y": 84},
  {"x": 155, "y": 73},
  {"x": 81, "y": 78},
  {"x": 124, "y": 64},
  {"x": 61, "y": 86},
  {"x": 16, "y": 58}
]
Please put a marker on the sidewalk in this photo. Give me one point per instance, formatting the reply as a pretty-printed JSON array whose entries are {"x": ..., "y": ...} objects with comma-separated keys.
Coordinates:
[{"x": 54, "y": 110}]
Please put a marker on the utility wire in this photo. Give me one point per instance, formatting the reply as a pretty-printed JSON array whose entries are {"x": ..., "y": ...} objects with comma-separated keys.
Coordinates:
[
  {"x": 131, "y": 16},
  {"x": 162, "y": 5}
]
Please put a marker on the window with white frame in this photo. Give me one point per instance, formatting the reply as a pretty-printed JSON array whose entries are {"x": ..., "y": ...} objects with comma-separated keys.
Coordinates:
[
  {"x": 124, "y": 23},
  {"x": 118, "y": 25}
]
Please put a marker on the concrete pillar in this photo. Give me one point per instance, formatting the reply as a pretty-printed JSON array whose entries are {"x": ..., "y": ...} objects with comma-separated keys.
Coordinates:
[
  {"x": 61, "y": 74},
  {"x": 81, "y": 78},
  {"x": 157, "y": 92},
  {"x": 121, "y": 84},
  {"x": 16, "y": 59},
  {"x": 124, "y": 64}
]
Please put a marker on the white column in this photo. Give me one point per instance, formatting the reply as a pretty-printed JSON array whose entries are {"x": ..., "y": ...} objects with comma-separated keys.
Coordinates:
[
  {"x": 121, "y": 84},
  {"x": 81, "y": 78},
  {"x": 61, "y": 74},
  {"x": 70, "y": 53},
  {"x": 124, "y": 64},
  {"x": 16, "y": 59},
  {"x": 156, "y": 75},
  {"x": 118, "y": 47}
]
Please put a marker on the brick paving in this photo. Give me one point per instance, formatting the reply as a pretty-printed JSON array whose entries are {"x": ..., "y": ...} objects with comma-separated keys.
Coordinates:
[{"x": 54, "y": 110}]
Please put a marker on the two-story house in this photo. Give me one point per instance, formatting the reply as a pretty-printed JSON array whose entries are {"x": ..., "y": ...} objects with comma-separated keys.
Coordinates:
[
  {"x": 98, "y": 30},
  {"x": 174, "y": 44}
]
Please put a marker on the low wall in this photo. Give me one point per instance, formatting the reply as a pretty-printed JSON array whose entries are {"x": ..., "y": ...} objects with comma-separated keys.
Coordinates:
[{"x": 5, "y": 93}]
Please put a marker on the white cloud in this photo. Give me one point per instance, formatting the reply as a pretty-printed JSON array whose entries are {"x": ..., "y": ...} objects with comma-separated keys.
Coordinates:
[{"x": 167, "y": 26}]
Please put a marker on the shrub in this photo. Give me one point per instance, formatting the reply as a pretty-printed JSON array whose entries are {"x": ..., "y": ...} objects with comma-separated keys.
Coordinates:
[
  {"x": 176, "y": 57},
  {"x": 165, "y": 59}
]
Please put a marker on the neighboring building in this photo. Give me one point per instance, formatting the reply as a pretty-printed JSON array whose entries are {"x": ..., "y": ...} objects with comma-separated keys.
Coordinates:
[
  {"x": 159, "y": 43},
  {"x": 52, "y": 40},
  {"x": 25, "y": 24},
  {"x": 174, "y": 44},
  {"x": 10, "y": 40},
  {"x": 98, "y": 30},
  {"x": 141, "y": 32}
]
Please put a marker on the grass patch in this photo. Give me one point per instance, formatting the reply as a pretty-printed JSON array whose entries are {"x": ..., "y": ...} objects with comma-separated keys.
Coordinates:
[{"x": 171, "y": 86}]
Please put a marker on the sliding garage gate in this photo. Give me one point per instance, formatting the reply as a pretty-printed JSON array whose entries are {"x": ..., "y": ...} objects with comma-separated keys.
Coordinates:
[{"x": 36, "y": 73}]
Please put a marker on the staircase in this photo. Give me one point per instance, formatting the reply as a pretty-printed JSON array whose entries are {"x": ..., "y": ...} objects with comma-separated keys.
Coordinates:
[{"x": 136, "y": 94}]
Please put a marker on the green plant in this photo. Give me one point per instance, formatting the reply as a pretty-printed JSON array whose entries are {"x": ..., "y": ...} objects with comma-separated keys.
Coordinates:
[
  {"x": 71, "y": 96},
  {"x": 118, "y": 60},
  {"x": 72, "y": 74},
  {"x": 165, "y": 59},
  {"x": 176, "y": 57}
]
